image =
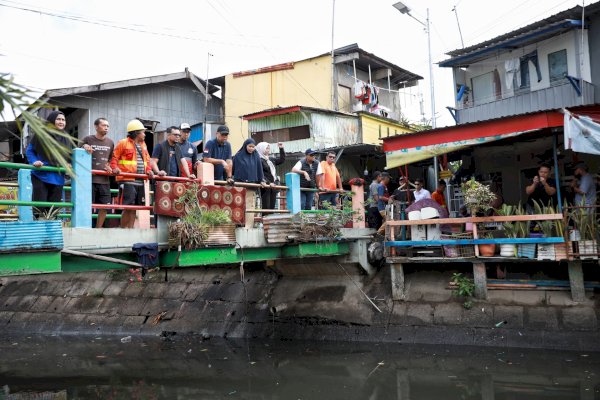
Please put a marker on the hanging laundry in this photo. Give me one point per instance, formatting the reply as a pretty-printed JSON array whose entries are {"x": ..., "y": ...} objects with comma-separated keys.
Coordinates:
[
  {"x": 533, "y": 58},
  {"x": 359, "y": 89},
  {"x": 512, "y": 73},
  {"x": 373, "y": 96}
]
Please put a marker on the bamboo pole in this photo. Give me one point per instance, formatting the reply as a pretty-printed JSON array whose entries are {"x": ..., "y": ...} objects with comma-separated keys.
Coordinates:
[{"x": 101, "y": 258}]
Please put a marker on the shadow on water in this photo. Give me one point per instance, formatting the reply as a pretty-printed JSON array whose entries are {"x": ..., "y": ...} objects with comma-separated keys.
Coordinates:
[{"x": 188, "y": 368}]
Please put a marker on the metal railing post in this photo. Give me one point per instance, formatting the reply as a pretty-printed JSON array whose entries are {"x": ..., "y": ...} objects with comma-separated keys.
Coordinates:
[
  {"x": 25, "y": 193},
  {"x": 292, "y": 181},
  {"x": 81, "y": 189}
]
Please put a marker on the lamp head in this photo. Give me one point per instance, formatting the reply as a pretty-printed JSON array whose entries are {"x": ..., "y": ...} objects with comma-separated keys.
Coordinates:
[{"x": 403, "y": 8}]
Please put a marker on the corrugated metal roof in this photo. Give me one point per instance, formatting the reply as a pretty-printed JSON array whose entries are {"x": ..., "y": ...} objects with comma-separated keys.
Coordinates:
[
  {"x": 27, "y": 236},
  {"x": 573, "y": 13}
]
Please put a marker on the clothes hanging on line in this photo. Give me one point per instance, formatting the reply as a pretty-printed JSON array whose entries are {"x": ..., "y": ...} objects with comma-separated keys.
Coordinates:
[
  {"x": 533, "y": 58},
  {"x": 513, "y": 73}
]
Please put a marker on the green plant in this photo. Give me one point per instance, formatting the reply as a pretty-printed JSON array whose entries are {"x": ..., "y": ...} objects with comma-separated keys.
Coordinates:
[
  {"x": 511, "y": 229},
  {"x": 326, "y": 223},
  {"x": 215, "y": 218},
  {"x": 464, "y": 287},
  {"x": 521, "y": 227},
  {"x": 192, "y": 229},
  {"x": 547, "y": 226},
  {"x": 23, "y": 107},
  {"x": 47, "y": 214},
  {"x": 477, "y": 196},
  {"x": 584, "y": 221}
]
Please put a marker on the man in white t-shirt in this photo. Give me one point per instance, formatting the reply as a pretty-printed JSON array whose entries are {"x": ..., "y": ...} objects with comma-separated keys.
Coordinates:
[{"x": 420, "y": 193}]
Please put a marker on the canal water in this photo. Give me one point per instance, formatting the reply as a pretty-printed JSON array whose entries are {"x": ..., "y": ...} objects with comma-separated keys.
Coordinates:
[{"x": 85, "y": 367}]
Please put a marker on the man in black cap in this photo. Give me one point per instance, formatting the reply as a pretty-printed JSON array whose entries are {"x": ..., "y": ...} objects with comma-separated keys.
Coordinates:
[
  {"x": 218, "y": 152},
  {"x": 307, "y": 169}
]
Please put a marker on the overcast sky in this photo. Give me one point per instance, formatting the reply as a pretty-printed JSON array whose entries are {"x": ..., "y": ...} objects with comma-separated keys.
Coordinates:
[{"x": 67, "y": 43}]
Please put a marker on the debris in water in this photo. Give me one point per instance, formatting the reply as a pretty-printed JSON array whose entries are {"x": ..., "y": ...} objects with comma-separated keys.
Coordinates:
[
  {"x": 126, "y": 339},
  {"x": 100, "y": 357},
  {"x": 499, "y": 324},
  {"x": 585, "y": 355},
  {"x": 190, "y": 350},
  {"x": 234, "y": 392},
  {"x": 520, "y": 334}
]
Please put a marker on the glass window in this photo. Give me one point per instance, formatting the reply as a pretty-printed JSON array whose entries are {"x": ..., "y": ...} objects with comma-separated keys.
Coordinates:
[
  {"x": 557, "y": 64},
  {"x": 483, "y": 88},
  {"x": 524, "y": 70}
]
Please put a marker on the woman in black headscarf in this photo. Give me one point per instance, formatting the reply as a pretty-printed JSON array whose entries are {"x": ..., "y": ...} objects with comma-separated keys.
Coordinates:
[
  {"x": 246, "y": 164},
  {"x": 47, "y": 185}
]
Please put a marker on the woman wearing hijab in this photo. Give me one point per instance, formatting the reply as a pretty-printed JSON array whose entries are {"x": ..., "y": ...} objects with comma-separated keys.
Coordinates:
[
  {"x": 246, "y": 164},
  {"x": 47, "y": 185},
  {"x": 268, "y": 194}
]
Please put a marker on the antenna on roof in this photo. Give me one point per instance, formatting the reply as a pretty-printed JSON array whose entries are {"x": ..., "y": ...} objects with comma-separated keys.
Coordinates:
[{"x": 458, "y": 23}]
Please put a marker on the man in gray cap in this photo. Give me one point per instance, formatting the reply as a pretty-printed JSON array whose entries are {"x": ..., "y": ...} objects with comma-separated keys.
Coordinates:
[
  {"x": 218, "y": 152},
  {"x": 188, "y": 150},
  {"x": 585, "y": 192}
]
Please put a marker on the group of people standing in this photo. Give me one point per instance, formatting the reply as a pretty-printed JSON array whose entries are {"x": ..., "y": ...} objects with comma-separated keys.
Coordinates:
[
  {"x": 379, "y": 195},
  {"x": 175, "y": 156}
]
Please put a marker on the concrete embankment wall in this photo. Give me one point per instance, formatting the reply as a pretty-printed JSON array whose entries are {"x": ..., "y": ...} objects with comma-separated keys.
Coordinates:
[{"x": 318, "y": 302}]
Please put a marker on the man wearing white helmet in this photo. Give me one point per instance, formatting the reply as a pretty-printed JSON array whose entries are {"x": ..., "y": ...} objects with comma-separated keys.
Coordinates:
[{"x": 131, "y": 156}]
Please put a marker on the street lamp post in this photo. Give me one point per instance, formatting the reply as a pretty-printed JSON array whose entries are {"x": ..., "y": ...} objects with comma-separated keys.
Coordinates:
[{"x": 403, "y": 8}]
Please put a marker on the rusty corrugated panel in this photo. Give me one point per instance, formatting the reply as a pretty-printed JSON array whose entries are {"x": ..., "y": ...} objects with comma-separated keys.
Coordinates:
[
  {"x": 334, "y": 130},
  {"x": 30, "y": 236},
  {"x": 279, "y": 229}
]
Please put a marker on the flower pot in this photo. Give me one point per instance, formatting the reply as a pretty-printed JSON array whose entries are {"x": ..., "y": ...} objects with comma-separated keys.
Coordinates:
[
  {"x": 487, "y": 250},
  {"x": 508, "y": 250},
  {"x": 221, "y": 234},
  {"x": 526, "y": 250},
  {"x": 588, "y": 250},
  {"x": 545, "y": 251}
]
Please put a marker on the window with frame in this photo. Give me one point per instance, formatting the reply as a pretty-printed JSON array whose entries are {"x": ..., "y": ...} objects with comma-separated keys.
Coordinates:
[{"x": 557, "y": 65}]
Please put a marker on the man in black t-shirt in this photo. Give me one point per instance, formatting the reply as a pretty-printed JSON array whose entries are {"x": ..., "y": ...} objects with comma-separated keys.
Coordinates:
[
  {"x": 101, "y": 149},
  {"x": 166, "y": 156},
  {"x": 542, "y": 188}
]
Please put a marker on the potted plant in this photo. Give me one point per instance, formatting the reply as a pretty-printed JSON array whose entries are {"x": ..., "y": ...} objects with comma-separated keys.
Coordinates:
[
  {"x": 477, "y": 198},
  {"x": 526, "y": 250},
  {"x": 488, "y": 249},
  {"x": 197, "y": 228},
  {"x": 510, "y": 229},
  {"x": 584, "y": 222},
  {"x": 545, "y": 251}
]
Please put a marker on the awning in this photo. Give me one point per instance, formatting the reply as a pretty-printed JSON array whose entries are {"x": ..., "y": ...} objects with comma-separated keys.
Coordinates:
[
  {"x": 582, "y": 131},
  {"x": 419, "y": 153},
  {"x": 409, "y": 148}
]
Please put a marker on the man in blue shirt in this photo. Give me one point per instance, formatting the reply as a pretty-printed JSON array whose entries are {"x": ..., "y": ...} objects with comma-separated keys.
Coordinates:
[
  {"x": 188, "y": 151},
  {"x": 218, "y": 152}
]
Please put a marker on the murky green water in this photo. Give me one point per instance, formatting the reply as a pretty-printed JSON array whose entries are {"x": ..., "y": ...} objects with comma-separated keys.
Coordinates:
[{"x": 105, "y": 368}]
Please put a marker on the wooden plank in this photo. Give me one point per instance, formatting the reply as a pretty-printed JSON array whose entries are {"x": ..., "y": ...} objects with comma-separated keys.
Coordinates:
[
  {"x": 480, "y": 279},
  {"x": 447, "y": 242},
  {"x": 397, "y": 275},
  {"x": 495, "y": 218}
]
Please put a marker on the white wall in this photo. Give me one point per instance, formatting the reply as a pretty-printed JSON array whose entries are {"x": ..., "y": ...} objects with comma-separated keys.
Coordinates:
[{"x": 571, "y": 41}]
